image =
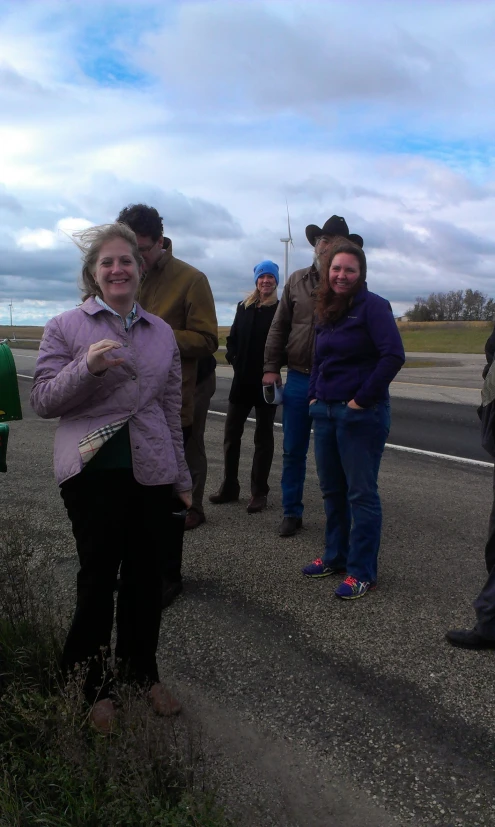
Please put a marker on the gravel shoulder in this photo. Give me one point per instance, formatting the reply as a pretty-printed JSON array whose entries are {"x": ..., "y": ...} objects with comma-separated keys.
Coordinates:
[{"x": 313, "y": 711}]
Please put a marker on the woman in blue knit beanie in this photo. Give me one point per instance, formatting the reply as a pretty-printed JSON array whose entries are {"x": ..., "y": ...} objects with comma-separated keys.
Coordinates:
[{"x": 245, "y": 352}]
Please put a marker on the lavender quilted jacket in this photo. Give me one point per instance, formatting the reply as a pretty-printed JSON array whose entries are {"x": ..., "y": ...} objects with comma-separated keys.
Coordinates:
[{"x": 146, "y": 389}]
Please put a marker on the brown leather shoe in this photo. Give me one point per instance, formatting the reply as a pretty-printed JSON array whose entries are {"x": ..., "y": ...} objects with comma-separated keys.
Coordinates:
[
  {"x": 163, "y": 702},
  {"x": 193, "y": 519},
  {"x": 103, "y": 715},
  {"x": 256, "y": 504}
]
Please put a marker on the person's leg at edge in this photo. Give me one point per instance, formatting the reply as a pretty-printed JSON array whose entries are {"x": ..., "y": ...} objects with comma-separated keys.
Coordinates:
[
  {"x": 196, "y": 451},
  {"x": 263, "y": 450},
  {"x": 297, "y": 429},
  {"x": 483, "y": 634},
  {"x": 361, "y": 437},
  {"x": 490, "y": 543},
  {"x": 89, "y": 499},
  {"x": 333, "y": 487}
]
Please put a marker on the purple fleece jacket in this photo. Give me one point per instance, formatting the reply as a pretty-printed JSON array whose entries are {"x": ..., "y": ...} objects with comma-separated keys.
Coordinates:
[{"x": 358, "y": 356}]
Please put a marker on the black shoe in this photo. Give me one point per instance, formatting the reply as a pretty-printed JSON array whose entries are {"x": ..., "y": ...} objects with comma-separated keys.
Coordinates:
[
  {"x": 289, "y": 526},
  {"x": 170, "y": 590},
  {"x": 469, "y": 639},
  {"x": 223, "y": 497}
]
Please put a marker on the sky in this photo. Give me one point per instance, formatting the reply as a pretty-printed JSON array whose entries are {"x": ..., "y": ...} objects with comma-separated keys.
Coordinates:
[{"x": 220, "y": 112}]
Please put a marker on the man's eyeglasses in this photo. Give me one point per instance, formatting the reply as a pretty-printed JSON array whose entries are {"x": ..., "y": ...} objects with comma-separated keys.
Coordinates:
[{"x": 147, "y": 249}]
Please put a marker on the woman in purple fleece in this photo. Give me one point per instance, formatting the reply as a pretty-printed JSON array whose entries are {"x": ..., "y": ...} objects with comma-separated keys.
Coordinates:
[
  {"x": 111, "y": 372},
  {"x": 358, "y": 352}
]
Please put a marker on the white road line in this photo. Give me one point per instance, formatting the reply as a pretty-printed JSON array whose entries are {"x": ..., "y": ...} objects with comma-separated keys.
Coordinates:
[
  {"x": 23, "y": 376},
  {"x": 465, "y": 460},
  {"x": 402, "y": 448},
  {"x": 23, "y": 356}
]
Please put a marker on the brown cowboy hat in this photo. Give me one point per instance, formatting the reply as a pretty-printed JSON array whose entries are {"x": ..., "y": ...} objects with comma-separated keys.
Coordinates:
[{"x": 335, "y": 226}]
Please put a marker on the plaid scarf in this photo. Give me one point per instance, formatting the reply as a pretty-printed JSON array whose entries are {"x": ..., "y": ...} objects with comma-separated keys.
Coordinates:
[{"x": 91, "y": 444}]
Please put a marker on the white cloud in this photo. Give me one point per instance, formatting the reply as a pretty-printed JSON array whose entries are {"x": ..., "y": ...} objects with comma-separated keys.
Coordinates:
[
  {"x": 36, "y": 239},
  {"x": 382, "y": 116}
]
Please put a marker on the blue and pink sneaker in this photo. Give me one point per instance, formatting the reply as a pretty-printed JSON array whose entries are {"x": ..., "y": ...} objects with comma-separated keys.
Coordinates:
[
  {"x": 351, "y": 589},
  {"x": 318, "y": 569}
]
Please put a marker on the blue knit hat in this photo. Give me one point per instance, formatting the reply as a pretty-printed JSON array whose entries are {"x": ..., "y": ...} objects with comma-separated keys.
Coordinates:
[{"x": 266, "y": 268}]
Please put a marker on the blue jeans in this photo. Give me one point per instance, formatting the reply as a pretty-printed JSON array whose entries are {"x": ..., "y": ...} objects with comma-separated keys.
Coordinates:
[
  {"x": 297, "y": 428},
  {"x": 348, "y": 449}
]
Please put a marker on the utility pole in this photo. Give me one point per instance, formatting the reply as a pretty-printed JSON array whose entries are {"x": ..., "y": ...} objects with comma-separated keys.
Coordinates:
[{"x": 286, "y": 241}]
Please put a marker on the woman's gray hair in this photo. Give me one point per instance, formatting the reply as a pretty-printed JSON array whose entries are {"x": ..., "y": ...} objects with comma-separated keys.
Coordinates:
[{"x": 91, "y": 241}]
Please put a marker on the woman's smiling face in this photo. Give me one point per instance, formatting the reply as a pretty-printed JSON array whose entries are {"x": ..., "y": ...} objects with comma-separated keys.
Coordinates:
[
  {"x": 117, "y": 272},
  {"x": 344, "y": 272}
]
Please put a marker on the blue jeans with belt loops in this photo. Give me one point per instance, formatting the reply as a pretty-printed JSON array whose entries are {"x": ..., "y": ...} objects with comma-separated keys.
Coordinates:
[
  {"x": 349, "y": 445},
  {"x": 297, "y": 429}
]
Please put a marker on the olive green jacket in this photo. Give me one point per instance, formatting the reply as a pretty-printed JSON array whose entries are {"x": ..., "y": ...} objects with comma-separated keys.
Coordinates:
[{"x": 182, "y": 297}]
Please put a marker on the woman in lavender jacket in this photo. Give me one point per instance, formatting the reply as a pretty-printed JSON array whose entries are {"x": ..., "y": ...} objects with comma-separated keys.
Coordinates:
[
  {"x": 111, "y": 372},
  {"x": 358, "y": 352}
]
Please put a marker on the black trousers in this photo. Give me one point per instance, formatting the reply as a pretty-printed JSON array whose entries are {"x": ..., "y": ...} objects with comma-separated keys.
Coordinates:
[
  {"x": 490, "y": 543},
  {"x": 237, "y": 413},
  {"x": 116, "y": 522},
  {"x": 174, "y": 533}
]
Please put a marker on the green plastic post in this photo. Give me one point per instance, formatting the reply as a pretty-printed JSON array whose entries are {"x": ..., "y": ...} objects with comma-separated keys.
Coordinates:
[{"x": 10, "y": 404}]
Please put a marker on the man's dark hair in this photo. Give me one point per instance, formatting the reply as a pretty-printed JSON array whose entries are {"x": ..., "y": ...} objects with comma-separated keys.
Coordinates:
[{"x": 143, "y": 220}]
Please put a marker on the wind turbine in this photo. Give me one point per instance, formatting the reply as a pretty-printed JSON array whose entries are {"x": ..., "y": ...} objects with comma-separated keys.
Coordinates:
[
  {"x": 11, "y": 306},
  {"x": 287, "y": 241}
]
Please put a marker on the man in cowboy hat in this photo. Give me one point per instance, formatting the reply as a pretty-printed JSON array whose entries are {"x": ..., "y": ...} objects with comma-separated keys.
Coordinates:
[{"x": 290, "y": 341}]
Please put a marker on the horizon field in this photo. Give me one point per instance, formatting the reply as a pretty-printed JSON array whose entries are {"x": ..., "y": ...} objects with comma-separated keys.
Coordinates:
[{"x": 418, "y": 337}]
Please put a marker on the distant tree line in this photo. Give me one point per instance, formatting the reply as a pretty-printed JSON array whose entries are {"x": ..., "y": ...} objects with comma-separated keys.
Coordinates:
[{"x": 455, "y": 306}]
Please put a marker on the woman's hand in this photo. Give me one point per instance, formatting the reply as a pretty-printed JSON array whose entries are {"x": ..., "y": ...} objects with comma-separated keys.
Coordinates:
[
  {"x": 186, "y": 497},
  {"x": 313, "y": 402},
  {"x": 95, "y": 359},
  {"x": 354, "y": 407}
]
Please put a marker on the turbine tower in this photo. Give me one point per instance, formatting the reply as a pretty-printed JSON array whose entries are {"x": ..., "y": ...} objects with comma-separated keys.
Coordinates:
[
  {"x": 13, "y": 331},
  {"x": 287, "y": 241}
]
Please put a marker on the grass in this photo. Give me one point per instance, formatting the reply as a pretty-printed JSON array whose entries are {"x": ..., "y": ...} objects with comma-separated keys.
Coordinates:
[
  {"x": 418, "y": 337},
  {"x": 445, "y": 337},
  {"x": 223, "y": 332},
  {"x": 21, "y": 332},
  {"x": 54, "y": 770}
]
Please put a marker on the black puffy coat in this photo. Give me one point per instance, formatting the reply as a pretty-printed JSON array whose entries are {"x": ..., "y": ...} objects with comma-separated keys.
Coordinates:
[{"x": 245, "y": 352}]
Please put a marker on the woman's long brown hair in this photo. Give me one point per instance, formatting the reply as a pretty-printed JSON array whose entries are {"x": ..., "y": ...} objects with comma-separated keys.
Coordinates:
[{"x": 331, "y": 306}]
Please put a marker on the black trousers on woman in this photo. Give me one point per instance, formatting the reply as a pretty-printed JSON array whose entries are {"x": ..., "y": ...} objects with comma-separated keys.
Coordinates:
[
  {"x": 116, "y": 522},
  {"x": 237, "y": 413}
]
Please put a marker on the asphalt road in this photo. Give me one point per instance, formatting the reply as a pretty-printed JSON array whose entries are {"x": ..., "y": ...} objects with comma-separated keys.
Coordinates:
[
  {"x": 442, "y": 427},
  {"x": 315, "y": 712},
  {"x": 433, "y": 409}
]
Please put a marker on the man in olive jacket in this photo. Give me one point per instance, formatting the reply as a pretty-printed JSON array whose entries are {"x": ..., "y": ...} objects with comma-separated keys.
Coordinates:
[
  {"x": 291, "y": 342},
  {"x": 181, "y": 296}
]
